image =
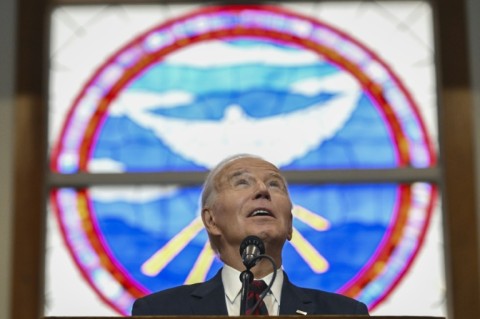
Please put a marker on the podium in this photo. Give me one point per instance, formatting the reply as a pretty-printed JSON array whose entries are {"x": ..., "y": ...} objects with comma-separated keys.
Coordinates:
[{"x": 276, "y": 317}]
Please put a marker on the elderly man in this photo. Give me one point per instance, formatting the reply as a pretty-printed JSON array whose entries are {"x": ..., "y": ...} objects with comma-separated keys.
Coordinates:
[{"x": 243, "y": 196}]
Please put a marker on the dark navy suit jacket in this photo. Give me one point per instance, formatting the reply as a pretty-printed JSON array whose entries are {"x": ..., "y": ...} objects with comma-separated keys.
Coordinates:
[{"x": 208, "y": 298}]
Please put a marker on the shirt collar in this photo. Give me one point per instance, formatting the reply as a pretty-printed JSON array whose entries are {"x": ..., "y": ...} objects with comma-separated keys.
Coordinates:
[{"x": 233, "y": 285}]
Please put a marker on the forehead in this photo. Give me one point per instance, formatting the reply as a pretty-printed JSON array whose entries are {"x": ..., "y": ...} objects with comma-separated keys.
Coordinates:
[{"x": 247, "y": 165}]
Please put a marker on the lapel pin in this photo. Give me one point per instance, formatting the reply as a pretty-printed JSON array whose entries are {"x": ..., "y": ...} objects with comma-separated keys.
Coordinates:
[{"x": 300, "y": 312}]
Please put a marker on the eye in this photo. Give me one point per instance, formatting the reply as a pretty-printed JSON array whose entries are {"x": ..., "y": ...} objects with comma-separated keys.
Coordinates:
[
  {"x": 241, "y": 181},
  {"x": 275, "y": 183}
]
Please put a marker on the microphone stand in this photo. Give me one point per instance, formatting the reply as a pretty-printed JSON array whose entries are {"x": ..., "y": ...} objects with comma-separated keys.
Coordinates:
[{"x": 246, "y": 277}]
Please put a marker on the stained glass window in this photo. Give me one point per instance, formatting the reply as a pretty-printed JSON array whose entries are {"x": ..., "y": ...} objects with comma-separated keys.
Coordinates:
[{"x": 176, "y": 88}]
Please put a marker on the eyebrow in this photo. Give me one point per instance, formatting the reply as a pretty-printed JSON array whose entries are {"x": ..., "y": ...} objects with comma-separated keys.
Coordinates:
[
  {"x": 277, "y": 175},
  {"x": 244, "y": 171},
  {"x": 237, "y": 173}
]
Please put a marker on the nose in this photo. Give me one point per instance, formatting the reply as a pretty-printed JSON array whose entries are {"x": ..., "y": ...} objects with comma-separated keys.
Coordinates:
[{"x": 262, "y": 191}]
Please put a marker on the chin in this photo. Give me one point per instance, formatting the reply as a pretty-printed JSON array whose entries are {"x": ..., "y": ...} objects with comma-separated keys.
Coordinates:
[{"x": 271, "y": 238}]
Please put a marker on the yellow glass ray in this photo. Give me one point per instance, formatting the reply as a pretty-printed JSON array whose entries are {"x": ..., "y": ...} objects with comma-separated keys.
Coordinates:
[
  {"x": 202, "y": 265},
  {"x": 155, "y": 264},
  {"x": 311, "y": 256},
  {"x": 311, "y": 219}
]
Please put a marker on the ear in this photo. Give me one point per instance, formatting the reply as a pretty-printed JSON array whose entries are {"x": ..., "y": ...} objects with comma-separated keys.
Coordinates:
[
  {"x": 208, "y": 218},
  {"x": 290, "y": 230}
]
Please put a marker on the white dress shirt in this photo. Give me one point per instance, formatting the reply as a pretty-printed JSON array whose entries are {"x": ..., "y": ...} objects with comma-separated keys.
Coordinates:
[{"x": 233, "y": 289}]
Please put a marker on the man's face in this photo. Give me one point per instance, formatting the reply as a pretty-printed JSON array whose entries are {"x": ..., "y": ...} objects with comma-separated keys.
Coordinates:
[{"x": 251, "y": 199}]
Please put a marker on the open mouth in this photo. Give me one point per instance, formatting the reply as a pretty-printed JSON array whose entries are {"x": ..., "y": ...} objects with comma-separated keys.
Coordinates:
[{"x": 260, "y": 212}]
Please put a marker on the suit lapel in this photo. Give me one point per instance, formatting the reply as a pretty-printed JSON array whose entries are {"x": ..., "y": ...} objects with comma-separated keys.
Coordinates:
[
  {"x": 293, "y": 299},
  {"x": 209, "y": 297}
]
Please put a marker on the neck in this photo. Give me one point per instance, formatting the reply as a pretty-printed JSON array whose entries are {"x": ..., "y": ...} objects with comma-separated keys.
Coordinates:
[{"x": 264, "y": 268}]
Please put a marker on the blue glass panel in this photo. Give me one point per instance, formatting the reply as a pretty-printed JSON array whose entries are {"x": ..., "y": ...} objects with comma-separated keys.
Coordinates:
[
  {"x": 257, "y": 91},
  {"x": 135, "y": 229}
]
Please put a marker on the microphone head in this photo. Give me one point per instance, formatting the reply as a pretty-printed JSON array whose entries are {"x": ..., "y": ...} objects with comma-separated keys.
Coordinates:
[{"x": 251, "y": 247}]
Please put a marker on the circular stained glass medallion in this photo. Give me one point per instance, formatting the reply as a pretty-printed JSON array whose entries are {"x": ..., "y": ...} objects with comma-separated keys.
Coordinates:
[{"x": 225, "y": 80}]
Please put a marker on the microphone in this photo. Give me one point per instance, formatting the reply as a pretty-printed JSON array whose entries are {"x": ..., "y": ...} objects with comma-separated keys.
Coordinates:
[{"x": 250, "y": 248}]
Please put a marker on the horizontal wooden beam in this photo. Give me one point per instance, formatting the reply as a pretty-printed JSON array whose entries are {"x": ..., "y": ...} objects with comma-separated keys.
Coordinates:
[{"x": 401, "y": 175}]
